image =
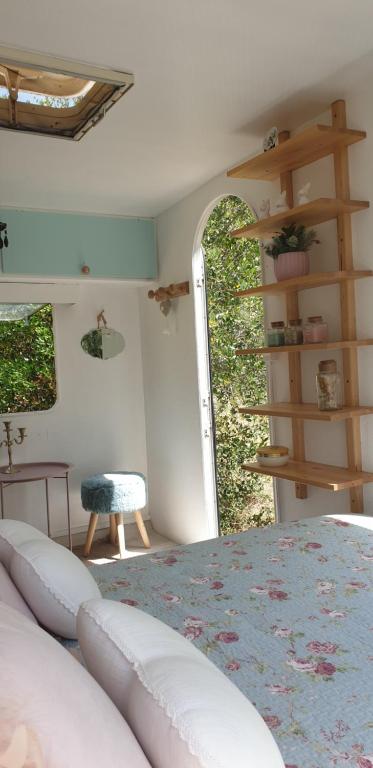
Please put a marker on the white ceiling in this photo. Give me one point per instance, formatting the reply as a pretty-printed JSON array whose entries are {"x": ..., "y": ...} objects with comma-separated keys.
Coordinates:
[{"x": 210, "y": 77}]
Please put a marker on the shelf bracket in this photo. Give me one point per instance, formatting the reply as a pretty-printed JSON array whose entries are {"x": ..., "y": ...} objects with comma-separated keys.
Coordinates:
[
  {"x": 348, "y": 308},
  {"x": 295, "y": 371}
]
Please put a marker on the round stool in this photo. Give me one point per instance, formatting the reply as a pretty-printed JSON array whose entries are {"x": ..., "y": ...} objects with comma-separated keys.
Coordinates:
[{"x": 114, "y": 494}]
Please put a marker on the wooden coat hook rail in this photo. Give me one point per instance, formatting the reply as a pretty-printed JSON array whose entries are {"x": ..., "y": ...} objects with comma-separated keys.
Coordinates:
[{"x": 173, "y": 291}]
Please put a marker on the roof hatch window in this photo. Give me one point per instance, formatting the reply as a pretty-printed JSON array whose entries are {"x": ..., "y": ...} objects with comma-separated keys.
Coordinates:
[{"x": 54, "y": 97}]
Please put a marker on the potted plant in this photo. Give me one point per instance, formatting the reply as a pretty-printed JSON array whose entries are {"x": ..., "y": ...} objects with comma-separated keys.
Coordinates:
[{"x": 289, "y": 249}]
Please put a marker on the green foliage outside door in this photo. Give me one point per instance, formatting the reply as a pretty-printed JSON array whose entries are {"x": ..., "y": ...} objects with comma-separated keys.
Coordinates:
[{"x": 233, "y": 264}]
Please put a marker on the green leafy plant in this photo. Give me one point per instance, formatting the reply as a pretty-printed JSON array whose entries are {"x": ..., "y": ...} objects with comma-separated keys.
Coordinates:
[
  {"x": 27, "y": 368},
  {"x": 290, "y": 239},
  {"x": 244, "y": 499}
]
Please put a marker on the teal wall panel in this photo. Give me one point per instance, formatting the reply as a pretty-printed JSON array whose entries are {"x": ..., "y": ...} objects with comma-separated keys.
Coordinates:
[{"x": 58, "y": 244}]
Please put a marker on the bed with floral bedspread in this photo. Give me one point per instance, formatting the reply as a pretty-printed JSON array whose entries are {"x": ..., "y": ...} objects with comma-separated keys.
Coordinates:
[{"x": 287, "y": 613}]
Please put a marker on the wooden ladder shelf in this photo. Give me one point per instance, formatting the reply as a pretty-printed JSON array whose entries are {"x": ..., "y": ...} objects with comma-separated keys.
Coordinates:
[{"x": 293, "y": 153}]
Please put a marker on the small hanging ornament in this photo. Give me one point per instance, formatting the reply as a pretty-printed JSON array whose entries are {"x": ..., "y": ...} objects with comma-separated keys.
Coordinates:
[{"x": 4, "y": 242}]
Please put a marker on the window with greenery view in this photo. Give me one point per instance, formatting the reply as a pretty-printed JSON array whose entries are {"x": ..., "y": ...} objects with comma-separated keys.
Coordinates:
[
  {"x": 233, "y": 264},
  {"x": 27, "y": 363}
]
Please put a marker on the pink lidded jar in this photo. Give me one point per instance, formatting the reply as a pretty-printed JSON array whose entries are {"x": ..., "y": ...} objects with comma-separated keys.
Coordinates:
[{"x": 315, "y": 331}]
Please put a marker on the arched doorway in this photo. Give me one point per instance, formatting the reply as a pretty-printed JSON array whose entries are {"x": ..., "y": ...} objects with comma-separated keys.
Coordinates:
[{"x": 235, "y": 500}]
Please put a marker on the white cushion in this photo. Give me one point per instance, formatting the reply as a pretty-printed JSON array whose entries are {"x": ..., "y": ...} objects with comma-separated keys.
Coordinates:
[
  {"x": 10, "y": 596},
  {"x": 12, "y": 534},
  {"x": 54, "y": 582},
  {"x": 66, "y": 718},
  {"x": 182, "y": 709}
]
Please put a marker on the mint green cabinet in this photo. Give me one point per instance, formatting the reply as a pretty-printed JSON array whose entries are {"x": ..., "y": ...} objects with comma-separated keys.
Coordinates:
[{"x": 58, "y": 244}]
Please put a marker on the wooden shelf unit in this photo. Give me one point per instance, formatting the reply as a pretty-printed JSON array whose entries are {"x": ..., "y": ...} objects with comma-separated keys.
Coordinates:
[
  {"x": 313, "y": 213},
  {"x": 304, "y": 148},
  {"x": 310, "y": 473},
  {"x": 308, "y": 411},
  {"x": 314, "y": 280},
  {"x": 292, "y": 153},
  {"x": 342, "y": 344}
]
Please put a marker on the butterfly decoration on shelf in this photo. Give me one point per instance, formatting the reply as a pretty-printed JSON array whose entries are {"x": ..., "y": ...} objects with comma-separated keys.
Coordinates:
[
  {"x": 303, "y": 194},
  {"x": 270, "y": 139},
  {"x": 280, "y": 205}
]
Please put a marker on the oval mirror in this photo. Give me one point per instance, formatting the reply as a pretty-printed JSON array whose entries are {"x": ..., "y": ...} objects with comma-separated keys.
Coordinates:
[{"x": 103, "y": 343}]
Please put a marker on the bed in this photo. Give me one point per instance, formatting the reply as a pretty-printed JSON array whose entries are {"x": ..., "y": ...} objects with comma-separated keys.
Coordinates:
[{"x": 287, "y": 613}]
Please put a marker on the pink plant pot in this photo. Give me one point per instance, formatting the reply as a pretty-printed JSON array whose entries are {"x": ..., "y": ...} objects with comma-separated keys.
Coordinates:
[{"x": 293, "y": 264}]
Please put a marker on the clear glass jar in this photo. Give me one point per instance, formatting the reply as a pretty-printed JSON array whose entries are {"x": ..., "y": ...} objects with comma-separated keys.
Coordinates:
[
  {"x": 276, "y": 334},
  {"x": 328, "y": 385},
  {"x": 294, "y": 332},
  {"x": 315, "y": 330}
]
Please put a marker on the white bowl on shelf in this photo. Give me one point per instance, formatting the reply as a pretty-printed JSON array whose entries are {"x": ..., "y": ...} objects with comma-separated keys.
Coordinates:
[{"x": 272, "y": 456}]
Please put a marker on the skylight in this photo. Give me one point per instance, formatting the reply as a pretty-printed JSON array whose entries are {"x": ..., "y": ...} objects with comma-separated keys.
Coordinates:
[{"x": 44, "y": 95}]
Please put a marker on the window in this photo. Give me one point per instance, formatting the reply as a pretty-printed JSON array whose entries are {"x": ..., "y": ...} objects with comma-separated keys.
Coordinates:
[
  {"x": 45, "y": 95},
  {"x": 27, "y": 360}
]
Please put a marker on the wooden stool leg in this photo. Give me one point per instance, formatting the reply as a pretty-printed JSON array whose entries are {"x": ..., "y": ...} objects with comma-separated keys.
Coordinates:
[
  {"x": 121, "y": 539},
  {"x": 113, "y": 530},
  {"x": 90, "y": 534},
  {"x": 142, "y": 529}
]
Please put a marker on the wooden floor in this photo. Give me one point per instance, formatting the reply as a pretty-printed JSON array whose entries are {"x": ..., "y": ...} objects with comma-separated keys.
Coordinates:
[{"x": 103, "y": 552}]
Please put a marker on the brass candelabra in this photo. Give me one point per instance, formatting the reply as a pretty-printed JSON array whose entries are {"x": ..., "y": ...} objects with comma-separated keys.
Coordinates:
[{"x": 9, "y": 442}]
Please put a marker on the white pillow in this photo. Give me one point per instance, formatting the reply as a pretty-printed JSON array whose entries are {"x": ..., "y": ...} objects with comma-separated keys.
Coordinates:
[
  {"x": 10, "y": 596},
  {"x": 182, "y": 709},
  {"x": 54, "y": 582},
  {"x": 12, "y": 534},
  {"x": 51, "y": 704}
]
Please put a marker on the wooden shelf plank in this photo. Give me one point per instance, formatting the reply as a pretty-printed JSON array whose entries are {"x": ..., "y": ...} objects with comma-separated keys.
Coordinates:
[
  {"x": 315, "y": 212},
  {"x": 308, "y": 411},
  {"x": 314, "y": 280},
  {"x": 310, "y": 473},
  {"x": 344, "y": 344},
  {"x": 304, "y": 148}
]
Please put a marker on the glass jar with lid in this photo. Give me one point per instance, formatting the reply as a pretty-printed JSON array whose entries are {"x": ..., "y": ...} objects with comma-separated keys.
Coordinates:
[
  {"x": 315, "y": 330},
  {"x": 276, "y": 334},
  {"x": 328, "y": 384},
  {"x": 294, "y": 332}
]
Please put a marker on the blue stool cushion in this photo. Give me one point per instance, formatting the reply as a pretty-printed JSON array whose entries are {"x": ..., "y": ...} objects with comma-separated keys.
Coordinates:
[{"x": 114, "y": 492}]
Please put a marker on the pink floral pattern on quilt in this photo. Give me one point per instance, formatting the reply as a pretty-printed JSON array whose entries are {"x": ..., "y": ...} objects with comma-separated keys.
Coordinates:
[{"x": 285, "y": 612}]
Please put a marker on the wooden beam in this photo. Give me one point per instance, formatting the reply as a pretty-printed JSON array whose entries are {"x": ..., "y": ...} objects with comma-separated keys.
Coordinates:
[
  {"x": 295, "y": 371},
  {"x": 308, "y": 347},
  {"x": 306, "y": 147},
  {"x": 348, "y": 308},
  {"x": 321, "y": 475},
  {"x": 313, "y": 280},
  {"x": 306, "y": 411},
  {"x": 309, "y": 214}
]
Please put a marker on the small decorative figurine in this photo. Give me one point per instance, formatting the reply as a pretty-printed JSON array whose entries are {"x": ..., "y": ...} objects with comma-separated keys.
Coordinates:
[
  {"x": 270, "y": 139},
  {"x": 303, "y": 197},
  {"x": 264, "y": 209},
  {"x": 280, "y": 205}
]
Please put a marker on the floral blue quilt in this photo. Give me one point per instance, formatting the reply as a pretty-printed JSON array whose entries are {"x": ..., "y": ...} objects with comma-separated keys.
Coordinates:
[{"x": 287, "y": 613}]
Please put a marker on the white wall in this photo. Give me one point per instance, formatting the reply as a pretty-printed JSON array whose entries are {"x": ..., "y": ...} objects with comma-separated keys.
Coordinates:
[
  {"x": 170, "y": 372},
  {"x": 98, "y": 422}
]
